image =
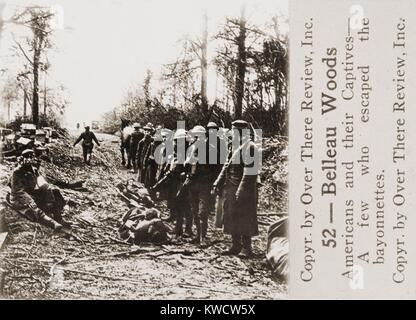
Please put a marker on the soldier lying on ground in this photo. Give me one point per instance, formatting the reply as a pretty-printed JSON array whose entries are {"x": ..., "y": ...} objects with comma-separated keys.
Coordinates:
[
  {"x": 143, "y": 226},
  {"x": 33, "y": 197}
]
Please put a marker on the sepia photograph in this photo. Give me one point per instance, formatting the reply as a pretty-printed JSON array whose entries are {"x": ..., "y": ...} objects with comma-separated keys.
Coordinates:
[{"x": 144, "y": 150}]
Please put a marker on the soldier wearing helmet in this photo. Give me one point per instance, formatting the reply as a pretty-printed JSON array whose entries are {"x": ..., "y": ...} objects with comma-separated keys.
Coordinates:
[
  {"x": 143, "y": 149},
  {"x": 152, "y": 159},
  {"x": 161, "y": 157},
  {"x": 202, "y": 175},
  {"x": 33, "y": 197},
  {"x": 215, "y": 136},
  {"x": 238, "y": 180},
  {"x": 87, "y": 138},
  {"x": 135, "y": 137},
  {"x": 178, "y": 202}
]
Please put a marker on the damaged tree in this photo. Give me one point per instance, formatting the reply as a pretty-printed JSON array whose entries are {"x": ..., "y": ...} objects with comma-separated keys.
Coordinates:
[
  {"x": 241, "y": 65},
  {"x": 38, "y": 20}
]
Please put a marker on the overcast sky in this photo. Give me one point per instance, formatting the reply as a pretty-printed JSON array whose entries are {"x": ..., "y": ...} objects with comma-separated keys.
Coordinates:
[{"x": 106, "y": 46}]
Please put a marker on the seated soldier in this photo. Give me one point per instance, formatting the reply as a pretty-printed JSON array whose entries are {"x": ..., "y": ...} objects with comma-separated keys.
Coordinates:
[{"x": 33, "y": 197}]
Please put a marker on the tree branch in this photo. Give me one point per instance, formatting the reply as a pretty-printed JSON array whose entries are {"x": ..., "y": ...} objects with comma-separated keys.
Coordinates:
[{"x": 23, "y": 51}]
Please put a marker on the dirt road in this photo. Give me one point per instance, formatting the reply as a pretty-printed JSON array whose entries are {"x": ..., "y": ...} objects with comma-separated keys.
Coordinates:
[{"x": 43, "y": 265}]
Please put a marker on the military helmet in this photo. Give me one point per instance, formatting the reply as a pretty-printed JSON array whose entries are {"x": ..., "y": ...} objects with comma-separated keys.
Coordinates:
[
  {"x": 212, "y": 125},
  {"x": 136, "y": 125},
  {"x": 198, "y": 130},
  {"x": 148, "y": 126},
  {"x": 240, "y": 124},
  {"x": 28, "y": 153},
  {"x": 180, "y": 134},
  {"x": 166, "y": 132}
]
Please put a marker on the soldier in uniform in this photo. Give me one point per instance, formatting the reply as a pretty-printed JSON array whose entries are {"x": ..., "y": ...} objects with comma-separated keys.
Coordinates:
[
  {"x": 33, "y": 197},
  {"x": 142, "y": 150},
  {"x": 87, "y": 144},
  {"x": 238, "y": 179},
  {"x": 202, "y": 176},
  {"x": 135, "y": 138},
  {"x": 162, "y": 153},
  {"x": 178, "y": 202},
  {"x": 221, "y": 152},
  {"x": 153, "y": 158}
]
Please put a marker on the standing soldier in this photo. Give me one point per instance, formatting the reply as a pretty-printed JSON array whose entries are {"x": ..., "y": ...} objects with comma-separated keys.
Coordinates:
[
  {"x": 152, "y": 159},
  {"x": 202, "y": 176},
  {"x": 142, "y": 150},
  {"x": 162, "y": 153},
  {"x": 220, "y": 152},
  {"x": 178, "y": 201},
  {"x": 87, "y": 144},
  {"x": 238, "y": 179},
  {"x": 135, "y": 138}
]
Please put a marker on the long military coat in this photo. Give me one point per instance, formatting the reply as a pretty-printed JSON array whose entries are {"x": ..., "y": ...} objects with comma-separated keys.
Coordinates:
[{"x": 239, "y": 182}]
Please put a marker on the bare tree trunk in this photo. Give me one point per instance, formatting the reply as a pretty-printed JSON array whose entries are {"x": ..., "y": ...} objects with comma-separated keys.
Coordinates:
[
  {"x": 35, "y": 98},
  {"x": 146, "y": 88},
  {"x": 241, "y": 66},
  {"x": 44, "y": 97},
  {"x": 204, "y": 63},
  {"x": 38, "y": 43},
  {"x": 24, "y": 104}
]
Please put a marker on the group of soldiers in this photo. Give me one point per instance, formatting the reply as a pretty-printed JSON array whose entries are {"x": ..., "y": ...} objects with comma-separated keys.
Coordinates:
[{"x": 200, "y": 171}]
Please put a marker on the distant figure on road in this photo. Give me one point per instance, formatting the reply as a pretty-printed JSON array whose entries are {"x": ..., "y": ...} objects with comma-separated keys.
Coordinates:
[{"x": 87, "y": 144}]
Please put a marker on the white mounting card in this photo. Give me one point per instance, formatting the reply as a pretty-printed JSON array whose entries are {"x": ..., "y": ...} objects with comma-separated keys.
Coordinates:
[{"x": 352, "y": 158}]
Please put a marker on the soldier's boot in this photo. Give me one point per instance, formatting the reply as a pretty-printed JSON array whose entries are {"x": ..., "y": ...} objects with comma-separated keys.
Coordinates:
[
  {"x": 204, "y": 228},
  {"x": 58, "y": 218},
  {"x": 197, "y": 238},
  {"x": 235, "y": 248},
  {"x": 49, "y": 222},
  {"x": 134, "y": 166},
  {"x": 178, "y": 225},
  {"x": 128, "y": 161},
  {"x": 188, "y": 226},
  {"x": 188, "y": 233},
  {"x": 247, "y": 249}
]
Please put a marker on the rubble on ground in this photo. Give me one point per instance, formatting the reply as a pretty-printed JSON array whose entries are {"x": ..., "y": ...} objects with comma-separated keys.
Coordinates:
[
  {"x": 278, "y": 247},
  {"x": 100, "y": 261}
]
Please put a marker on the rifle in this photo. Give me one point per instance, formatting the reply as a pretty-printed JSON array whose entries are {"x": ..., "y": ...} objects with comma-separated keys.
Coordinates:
[
  {"x": 156, "y": 187},
  {"x": 184, "y": 187}
]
